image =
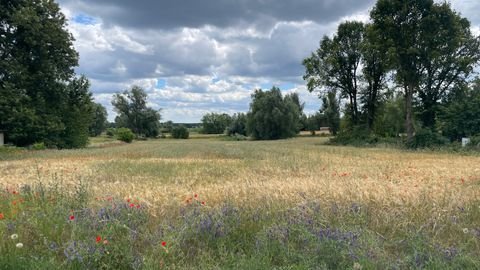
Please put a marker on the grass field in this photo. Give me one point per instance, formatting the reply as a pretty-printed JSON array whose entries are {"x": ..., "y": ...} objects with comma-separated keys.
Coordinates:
[{"x": 291, "y": 204}]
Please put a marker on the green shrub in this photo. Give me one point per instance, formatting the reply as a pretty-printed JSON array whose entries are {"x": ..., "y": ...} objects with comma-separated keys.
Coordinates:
[
  {"x": 39, "y": 146},
  {"x": 474, "y": 143},
  {"x": 125, "y": 134},
  {"x": 111, "y": 132},
  {"x": 180, "y": 132},
  {"x": 357, "y": 136},
  {"x": 426, "y": 138}
]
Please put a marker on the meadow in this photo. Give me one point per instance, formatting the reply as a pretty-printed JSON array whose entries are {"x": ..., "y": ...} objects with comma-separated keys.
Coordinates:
[{"x": 211, "y": 203}]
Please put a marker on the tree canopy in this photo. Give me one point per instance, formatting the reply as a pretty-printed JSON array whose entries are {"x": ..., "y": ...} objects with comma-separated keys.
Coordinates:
[
  {"x": 133, "y": 113},
  {"x": 272, "y": 116},
  {"x": 42, "y": 100}
]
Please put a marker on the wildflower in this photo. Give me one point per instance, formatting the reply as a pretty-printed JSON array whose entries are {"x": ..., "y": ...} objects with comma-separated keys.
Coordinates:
[
  {"x": 19, "y": 245},
  {"x": 132, "y": 205},
  {"x": 465, "y": 230},
  {"x": 164, "y": 244},
  {"x": 138, "y": 206},
  {"x": 98, "y": 239},
  {"x": 14, "y": 236},
  {"x": 72, "y": 217},
  {"x": 196, "y": 195},
  {"x": 128, "y": 200},
  {"x": 2, "y": 216},
  {"x": 203, "y": 203}
]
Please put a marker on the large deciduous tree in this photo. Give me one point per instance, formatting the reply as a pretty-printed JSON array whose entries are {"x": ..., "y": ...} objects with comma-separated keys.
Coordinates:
[
  {"x": 336, "y": 65},
  {"x": 449, "y": 53},
  {"x": 272, "y": 116},
  {"x": 37, "y": 79},
  {"x": 431, "y": 49},
  {"x": 133, "y": 113},
  {"x": 398, "y": 24}
]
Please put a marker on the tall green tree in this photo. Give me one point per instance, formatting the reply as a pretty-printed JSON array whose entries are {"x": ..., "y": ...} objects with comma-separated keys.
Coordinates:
[
  {"x": 133, "y": 113},
  {"x": 272, "y": 116},
  {"x": 399, "y": 24},
  {"x": 336, "y": 65},
  {"x": 375, "y": 68},
  {"x": 99, "y": 122},
  {"x": 449, "y": 53},
  {"x": 37, "y": 61},
  {"x": 430, "y": 48}
]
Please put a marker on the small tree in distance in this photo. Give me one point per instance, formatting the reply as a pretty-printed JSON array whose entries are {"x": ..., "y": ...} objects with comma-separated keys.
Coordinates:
[
  {"x": 272, "y": 116},
  {"x": 134, "y": 114}
]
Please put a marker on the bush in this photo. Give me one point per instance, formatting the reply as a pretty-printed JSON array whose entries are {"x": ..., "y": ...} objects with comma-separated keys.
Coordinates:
[
  {"x": 357, "y": 136},
  {"x": 125, "y": 135},
  {"x": 39, "y": 146},
  {"x": 426, "y": 138},
  {"x": 111, "y": 132},
  {"x": 474, "y": 143},
  {"x": 180, "y": 132}
]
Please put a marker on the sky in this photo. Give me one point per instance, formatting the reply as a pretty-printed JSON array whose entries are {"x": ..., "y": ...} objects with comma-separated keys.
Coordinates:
[{"x": 194, "y": 57}]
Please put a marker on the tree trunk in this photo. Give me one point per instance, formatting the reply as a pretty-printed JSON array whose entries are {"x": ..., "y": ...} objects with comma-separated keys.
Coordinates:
[{"x": 409, "y": 111}]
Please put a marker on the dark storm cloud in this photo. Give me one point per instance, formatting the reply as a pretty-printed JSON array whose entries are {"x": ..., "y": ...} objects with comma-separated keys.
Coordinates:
[{"x": 166, "y": 14}]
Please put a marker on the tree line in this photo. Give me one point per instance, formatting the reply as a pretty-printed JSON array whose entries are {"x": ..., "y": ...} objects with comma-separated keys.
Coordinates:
[
  {"x": 409, "y": 70},
  {"x": 415, "y": 59}
]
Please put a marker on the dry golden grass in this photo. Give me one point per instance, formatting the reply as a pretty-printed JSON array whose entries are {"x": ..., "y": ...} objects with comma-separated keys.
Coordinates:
[{"x": 164, "y": 173}]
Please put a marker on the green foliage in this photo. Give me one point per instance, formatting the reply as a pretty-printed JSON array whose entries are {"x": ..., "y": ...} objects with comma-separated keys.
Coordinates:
[
  {"x": 215, "y": 123},
  {"x": 125, "y": 135},
  {"x": 99, "y": 123},
  {"x": 111, "y": 132},
  {"x": 271, "y": 116},
  {"x": 238, "y": 126},
  {"x": 77, "y": 115},
  {"x": 356, "y": 136},
  {"x": 460, "y": 117},
  {"x": 391, "y": 117},
  {"x": 474, "y": 143},
  {"x": 134, "y": 114},
  {"x": 39, "y": 146},
  {"x": 426, "y": 138},
  {"x": 41, "y": 98},
  {"x": 180, "y": 132},
  {"x": 331, "y": 110}
]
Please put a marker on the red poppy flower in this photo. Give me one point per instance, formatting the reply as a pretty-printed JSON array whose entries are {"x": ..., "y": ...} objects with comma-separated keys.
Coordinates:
[
  {"x": 138, "y": 205},
  {"x": 72, "y": 217},
  {"x": 164, "y": 244},
  {"x": 128, "y": 200},
  {"x": 2, "y": 216},
  {"x": 132, "y": 205},
  {"x": 98, "y": 239},
  {"x": 203, "y": 203},
  {"x": 196, "y": 195}
]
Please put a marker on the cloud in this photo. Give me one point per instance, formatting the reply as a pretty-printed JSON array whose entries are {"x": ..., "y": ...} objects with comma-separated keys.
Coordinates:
[
  {"x": 194, "y": 56},
  {"x": 193, "y": 13}
]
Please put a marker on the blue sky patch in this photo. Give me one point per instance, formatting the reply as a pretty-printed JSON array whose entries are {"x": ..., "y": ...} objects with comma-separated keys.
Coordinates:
[
  {"x": 161, "y": 83},
  {"x": 85, "y": 19}
]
